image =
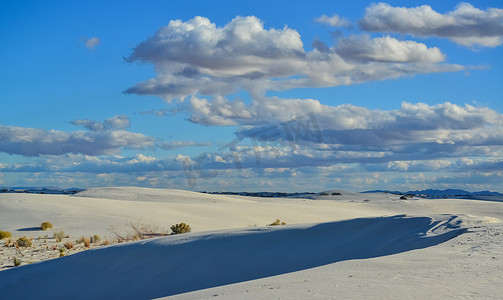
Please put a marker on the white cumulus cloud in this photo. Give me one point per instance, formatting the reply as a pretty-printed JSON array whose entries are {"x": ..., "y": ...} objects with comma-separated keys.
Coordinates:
[
  {"x": 197, "y": 57},
  {"x": 102, "y": 138},
  {"x": 120, "y": 122},
  {"x": 35, "y": 142},
  {"x": 387, "y": 49},
  {"x": 334, "y": 21},
  {"x": 91, "y": 43},
  {"x": 348, "y": 133},
  {"x": 465, "y": 25}
]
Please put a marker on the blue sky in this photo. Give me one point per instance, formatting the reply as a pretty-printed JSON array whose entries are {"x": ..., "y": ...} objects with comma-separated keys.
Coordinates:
[{"x": 228, "y": 95}]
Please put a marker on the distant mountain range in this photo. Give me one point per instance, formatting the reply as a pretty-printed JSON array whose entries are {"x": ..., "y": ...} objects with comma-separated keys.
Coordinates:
[{"x": 431, "y": 193}]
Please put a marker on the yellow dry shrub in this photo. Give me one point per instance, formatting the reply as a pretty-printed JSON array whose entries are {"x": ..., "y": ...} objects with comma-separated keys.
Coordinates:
[
  {"x": 180, "y": 228},
  {"x": 5, "y": 234},
  {"x": 277, "y": 222}
]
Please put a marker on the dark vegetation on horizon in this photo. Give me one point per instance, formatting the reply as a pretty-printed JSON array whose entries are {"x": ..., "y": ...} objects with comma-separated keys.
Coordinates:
[
  {"x": 41, "y": 190},
  {"x": 432, "y": 193},
  {"x": 262, "y": 194},
  {"x": 429, "y": 193}
]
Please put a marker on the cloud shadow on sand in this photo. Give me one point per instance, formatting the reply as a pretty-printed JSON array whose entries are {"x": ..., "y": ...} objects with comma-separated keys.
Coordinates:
[{"x": 184, "y": 263}]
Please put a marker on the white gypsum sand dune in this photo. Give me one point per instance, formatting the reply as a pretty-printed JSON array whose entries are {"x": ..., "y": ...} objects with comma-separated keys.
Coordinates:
[
  {"x": 183, "y": 263},
  {"x": 466, "y": 267},
  {"x": 375, "y": 257},
  {"x": 95, "y": 210}
]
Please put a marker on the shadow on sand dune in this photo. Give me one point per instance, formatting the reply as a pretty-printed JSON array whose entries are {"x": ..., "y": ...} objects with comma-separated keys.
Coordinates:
[
  {"x": 30, "y": 229},
  {"x": 184, "y": 263}
]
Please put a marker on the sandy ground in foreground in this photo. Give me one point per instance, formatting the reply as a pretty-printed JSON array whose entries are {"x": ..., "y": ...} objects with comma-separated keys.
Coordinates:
[{"x": 468, "y": 266}]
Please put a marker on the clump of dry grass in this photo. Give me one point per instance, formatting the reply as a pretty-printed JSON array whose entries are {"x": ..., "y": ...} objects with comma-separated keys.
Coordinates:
[
  {"x": 276, "y": 223},
  {"x": 59, "y": 236},
  {"x": 5, "y": 234},
  {"x": 137, "y": 231},
  {"x": 17, "y": 262},
  {"x": 23, "y": 242},
  {"x": 68, "y": 245},
  {"x": 87, "y": 241}
]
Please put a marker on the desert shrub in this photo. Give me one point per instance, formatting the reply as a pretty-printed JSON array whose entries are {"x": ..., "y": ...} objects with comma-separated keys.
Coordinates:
[
  {"x": 119, "y": 237},
  {"x": 277, "y": 222},
  {"x": 95, "y": 238},
  {"x": 5, "y": 234},
  {"x": 143, "y": 231},
  {"x": 137, "y": 231},
  {"x": 17, "y": 262},
  {"x": 59, "y": 236},
  {"x": 106, "y": 242},
  {"x": 68, "y": 245},
  {"x": 23, "y": 242},
  {"x": 61, "y": 251},
  {"x": 180, "y": 228},
  {"x": 45, "y": 226},
  {"x": 403, "y": 198},
  {"x": 86, "y": 241}
]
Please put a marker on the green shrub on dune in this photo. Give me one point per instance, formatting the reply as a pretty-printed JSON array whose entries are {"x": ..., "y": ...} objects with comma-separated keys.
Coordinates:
[
  {"x": 180, "y": 228},
  {"x": 45, "y": 226},
  {"x": 95, "y": 239}
]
